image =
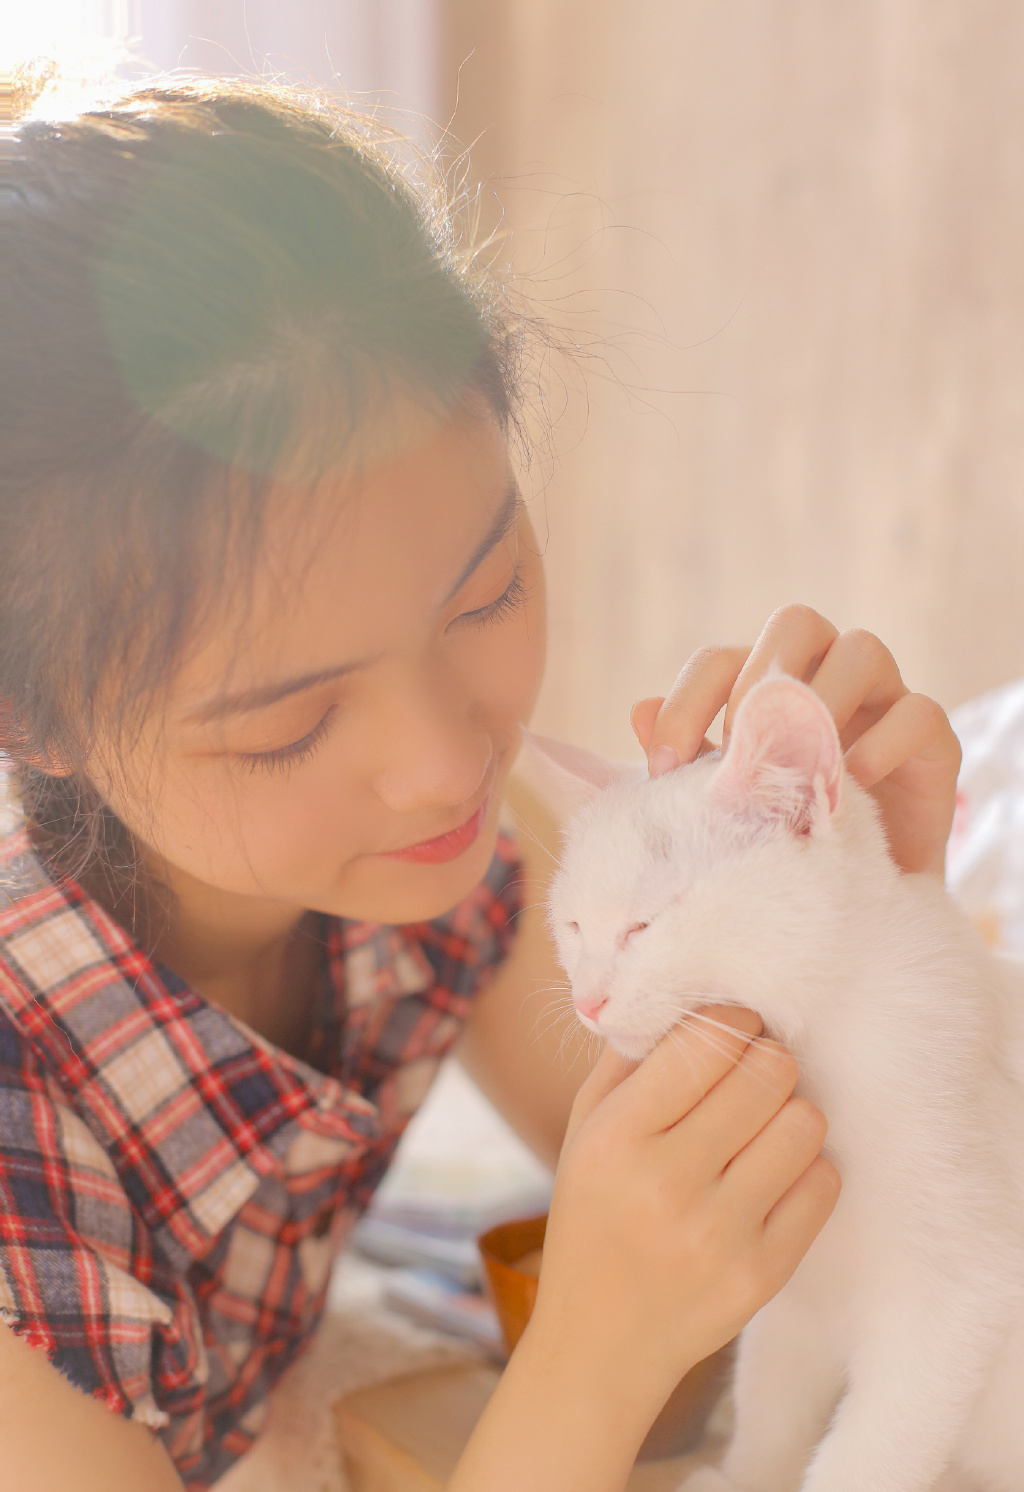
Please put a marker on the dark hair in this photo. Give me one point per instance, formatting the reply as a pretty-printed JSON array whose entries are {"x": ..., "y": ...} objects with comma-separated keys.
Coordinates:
[{"x": 211, "y": 283}]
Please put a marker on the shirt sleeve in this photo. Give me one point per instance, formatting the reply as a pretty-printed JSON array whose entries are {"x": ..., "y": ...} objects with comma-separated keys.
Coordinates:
[{"x": 70, "y": 1245}]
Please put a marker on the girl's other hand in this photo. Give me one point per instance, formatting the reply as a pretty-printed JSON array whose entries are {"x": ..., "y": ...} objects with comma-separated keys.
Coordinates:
[
  {"x": 898, "y": 745},
  {"x": 688, "y": 1189}
]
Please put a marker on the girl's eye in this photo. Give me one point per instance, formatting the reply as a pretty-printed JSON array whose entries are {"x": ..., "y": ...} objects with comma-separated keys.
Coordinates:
[
  {"x": 288, "y": 756},
  {"x": 505, "y": 605}
]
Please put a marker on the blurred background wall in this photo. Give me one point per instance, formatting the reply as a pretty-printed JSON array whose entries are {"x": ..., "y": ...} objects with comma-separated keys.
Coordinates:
[
  {"x": 790, "y": 240},
  {"x": 815, "y": 213}
]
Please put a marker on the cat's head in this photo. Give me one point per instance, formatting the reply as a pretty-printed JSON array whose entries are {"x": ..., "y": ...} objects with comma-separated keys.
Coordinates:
[{"x": 726, "y": 880}]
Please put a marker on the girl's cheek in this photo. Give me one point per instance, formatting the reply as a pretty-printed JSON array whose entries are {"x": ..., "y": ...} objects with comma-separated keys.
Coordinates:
[
  {"x": 218, "y": 821},
  {"x": 535, "y": 621},
  {"x": 238, "y": 827},
  {"x": 510, "y": 660}
]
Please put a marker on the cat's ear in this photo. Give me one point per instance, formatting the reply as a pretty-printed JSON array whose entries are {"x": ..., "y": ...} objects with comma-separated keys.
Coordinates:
[
  {"x": 565, "y": 776},
  {"x": 784, "y": 760}
]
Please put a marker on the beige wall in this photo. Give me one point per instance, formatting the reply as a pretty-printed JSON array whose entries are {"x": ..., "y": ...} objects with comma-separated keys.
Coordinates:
[{"x": 803, "y": 223}]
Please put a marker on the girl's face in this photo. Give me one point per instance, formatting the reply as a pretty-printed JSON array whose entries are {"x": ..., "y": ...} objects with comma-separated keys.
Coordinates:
[{"x": 363, "y": 698}]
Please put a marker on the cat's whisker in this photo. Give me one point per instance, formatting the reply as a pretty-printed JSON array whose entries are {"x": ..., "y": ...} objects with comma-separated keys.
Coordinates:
[
  {"x": 710, "y": 1040},
  {"x": 572, "y": 1026},
  {"x": 561, "y": 1001},
  {"x": 561, "y": 992},
  {"x": 538, "y": 1032},
  {"x": 586, "y": 1046},
  {"x": 677, "y": 1040},
  {"x": 707, "y": 1038},
  {"x": 554, "y": 1017},
  {"x": 676, "y": 1037},
  {"x": 531, "y": 833},
  {"x": 593, "y": 1041},
  {"x": 698, "y": 1015},
  {"x": 563, "y": 1045},
  {"x": 535, "y": 883}
]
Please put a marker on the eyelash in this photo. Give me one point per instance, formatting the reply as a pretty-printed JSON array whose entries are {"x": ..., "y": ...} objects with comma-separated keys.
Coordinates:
[
  {"x": 288, "y": 756},
  {"x": 509, "y": 602}
]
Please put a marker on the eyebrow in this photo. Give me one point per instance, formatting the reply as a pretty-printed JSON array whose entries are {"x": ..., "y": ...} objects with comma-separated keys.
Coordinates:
[
  {"x": 268, "y": 694},
  {"x": 505, "y": 520}
]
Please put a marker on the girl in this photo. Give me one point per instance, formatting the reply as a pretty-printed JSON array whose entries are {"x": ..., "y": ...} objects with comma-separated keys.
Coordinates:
[{"x": 271, "y": 621}]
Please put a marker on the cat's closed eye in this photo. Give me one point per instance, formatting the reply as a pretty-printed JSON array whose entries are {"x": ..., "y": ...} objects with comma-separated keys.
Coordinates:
[{"x": 637, "y": 927}]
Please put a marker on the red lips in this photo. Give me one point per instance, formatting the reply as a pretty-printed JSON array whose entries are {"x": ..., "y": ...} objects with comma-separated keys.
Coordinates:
[{"x": 446, "y": 846}]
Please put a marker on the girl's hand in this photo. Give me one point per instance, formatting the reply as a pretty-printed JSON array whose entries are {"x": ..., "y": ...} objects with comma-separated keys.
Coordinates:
[
  {"x": 688, "y": 1189},
  {"x": 898, "y": 745}
]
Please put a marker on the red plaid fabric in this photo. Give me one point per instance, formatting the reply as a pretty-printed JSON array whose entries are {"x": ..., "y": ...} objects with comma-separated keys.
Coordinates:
[{"x": 173, "y": 1189}]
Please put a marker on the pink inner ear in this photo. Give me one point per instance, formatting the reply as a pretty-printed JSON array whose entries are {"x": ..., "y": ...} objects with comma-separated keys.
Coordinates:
[
  {"x": 784, "y": 755},
  {"x": 567, "y": 775}
]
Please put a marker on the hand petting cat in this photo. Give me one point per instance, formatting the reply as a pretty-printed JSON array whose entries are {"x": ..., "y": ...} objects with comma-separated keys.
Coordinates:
[{"x": 898, "y": 745}]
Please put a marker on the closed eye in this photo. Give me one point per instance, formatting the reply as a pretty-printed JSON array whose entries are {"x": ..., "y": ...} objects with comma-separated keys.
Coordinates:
[
  {"x": 292, "y": 755},
  {"x": 507, "y": 604},
  {"x": 637, "y": 927}
]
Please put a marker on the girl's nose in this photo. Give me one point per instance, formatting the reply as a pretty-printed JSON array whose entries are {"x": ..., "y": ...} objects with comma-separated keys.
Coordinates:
[
  {"x": 590, "y": 1005},
  {"x": 438, "y": 755}
]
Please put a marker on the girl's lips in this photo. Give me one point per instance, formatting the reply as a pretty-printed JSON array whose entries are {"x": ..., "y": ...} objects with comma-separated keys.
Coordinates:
[{"x": 446, "y": 846}]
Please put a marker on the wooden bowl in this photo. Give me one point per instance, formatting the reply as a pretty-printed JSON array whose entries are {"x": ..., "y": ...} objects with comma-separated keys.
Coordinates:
[
  {"x": 511, "y": 1257},
  {"x": 512, "y": 1288}
]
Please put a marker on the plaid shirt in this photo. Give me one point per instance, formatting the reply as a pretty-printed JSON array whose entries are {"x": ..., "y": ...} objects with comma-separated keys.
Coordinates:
[{"x": 173, "y": 1189}]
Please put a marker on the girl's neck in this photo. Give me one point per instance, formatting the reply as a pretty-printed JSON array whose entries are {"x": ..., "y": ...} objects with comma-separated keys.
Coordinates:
[
  {"x": 274, "y": 991},
  {"x": 257, "y": 959}
]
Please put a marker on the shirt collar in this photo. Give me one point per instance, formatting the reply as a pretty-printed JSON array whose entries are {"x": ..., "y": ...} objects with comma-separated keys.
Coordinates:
[{"x": 194, "y": 1107}]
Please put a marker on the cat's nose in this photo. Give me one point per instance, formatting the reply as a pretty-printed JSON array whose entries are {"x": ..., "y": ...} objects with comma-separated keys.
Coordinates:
[{"x": 590, "y": 1007}]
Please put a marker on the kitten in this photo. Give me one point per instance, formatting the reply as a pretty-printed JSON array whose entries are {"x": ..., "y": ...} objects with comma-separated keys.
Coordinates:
[{"x": 893, "y": 1360}]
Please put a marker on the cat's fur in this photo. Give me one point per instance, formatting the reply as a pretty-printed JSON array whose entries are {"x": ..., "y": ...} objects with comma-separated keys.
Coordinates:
[{"x": 893, "y": 1361}]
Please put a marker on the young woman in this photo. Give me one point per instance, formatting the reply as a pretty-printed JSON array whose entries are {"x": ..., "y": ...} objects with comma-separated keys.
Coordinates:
[{"x": 271, "y": 621}]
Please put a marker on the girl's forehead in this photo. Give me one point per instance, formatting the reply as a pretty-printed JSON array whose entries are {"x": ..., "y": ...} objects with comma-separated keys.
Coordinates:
[{"x": 347, "y": 566}]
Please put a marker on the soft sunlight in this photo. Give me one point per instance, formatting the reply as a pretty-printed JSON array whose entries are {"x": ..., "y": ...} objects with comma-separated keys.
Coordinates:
[{"x": 60, "y": 25}]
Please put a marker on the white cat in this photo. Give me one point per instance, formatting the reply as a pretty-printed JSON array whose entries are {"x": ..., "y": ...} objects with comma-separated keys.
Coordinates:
[{"x": 893, "y": 1361}]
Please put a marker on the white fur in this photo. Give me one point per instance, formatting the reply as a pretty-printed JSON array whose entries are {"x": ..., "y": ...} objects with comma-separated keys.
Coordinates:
[{"x": 893, "y": 1361}]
